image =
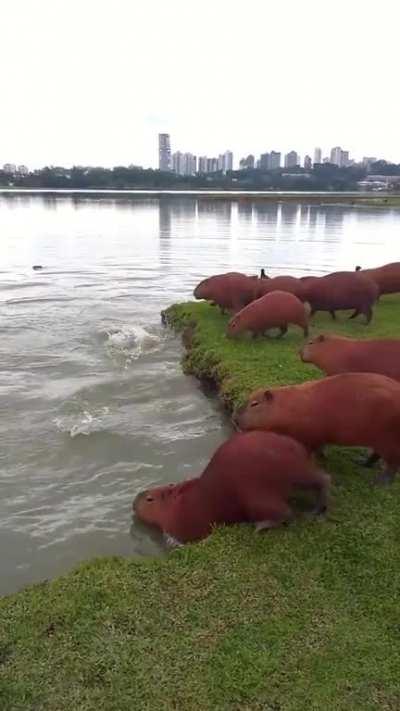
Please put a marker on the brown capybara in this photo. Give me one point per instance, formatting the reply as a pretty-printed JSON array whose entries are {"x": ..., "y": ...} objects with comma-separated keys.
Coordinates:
[
  {"x": 274, "y": 310},
  {"x": 249, "y": 478},
  {"x": 350, "y": 409},
  {"x": 230, "y": 291},
  {"x": 341, "y": 291},
  {"x": 280, "y": 283},
  {"x": 386, "y": 277},
  {"x": 339, "y": 354}
]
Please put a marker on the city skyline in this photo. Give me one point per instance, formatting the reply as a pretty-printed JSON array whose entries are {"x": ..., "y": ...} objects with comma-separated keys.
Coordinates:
[
  {"x": 126, "y": 79},
  {"x": 189, "y": 164}
]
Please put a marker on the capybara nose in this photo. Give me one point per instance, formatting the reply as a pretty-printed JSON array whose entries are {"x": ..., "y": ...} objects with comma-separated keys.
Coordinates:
[{"x": 138, "y": 498}]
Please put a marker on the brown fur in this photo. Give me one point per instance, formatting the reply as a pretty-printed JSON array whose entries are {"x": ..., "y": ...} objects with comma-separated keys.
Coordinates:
[
  {"x": 280, "y": 283},
  {"x": 338, "y": 354},
  {"x": 229, "y": 291},
  {"x": 351, "y": 409},
  {"x": 386, "y": 277},
  {"x": 249, "y": 478},
  {"x": 341, "y": 290},
  {"x": 274, "y": 310}
]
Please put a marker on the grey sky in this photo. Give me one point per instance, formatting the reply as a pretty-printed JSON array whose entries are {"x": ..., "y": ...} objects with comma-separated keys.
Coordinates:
[{"x": 93, "y": 82}]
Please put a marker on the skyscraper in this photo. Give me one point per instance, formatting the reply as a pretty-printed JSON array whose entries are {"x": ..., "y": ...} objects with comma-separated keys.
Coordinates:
[
  {"x": 317, "y": 155},
  {"x": 247, "y": 163},
  {"x": 307, "y": 162},
  {"x": 164, "y": 151},
  {"x": 336, "y": 155},
  {"x": 228, "y": 161},
  {"x": 202, "y": 164},
  {"x": 339, "y": 157},
  {"x": 177, "y": 163},
  {"x": 264, "y": 161},
  {"x": 189, "y": 164},
  {"x": 274, "y": 160},
  {"x": 291, "y": 159}
]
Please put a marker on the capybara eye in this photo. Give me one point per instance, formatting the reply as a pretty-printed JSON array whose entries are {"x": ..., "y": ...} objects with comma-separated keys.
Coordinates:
[
  {"x": 254, "y": 403},
  {"x": 149, "y": 498}
]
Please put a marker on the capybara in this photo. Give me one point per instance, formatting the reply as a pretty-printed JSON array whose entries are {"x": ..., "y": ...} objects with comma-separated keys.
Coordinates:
[
  {"x": 339, "y": 354},
  {"x": 249, "y": 479},
  {"x": 350, "y": 409},
  {"x": 230, "y": 291},
  {"x": 386, "y": 277},
  {"x": 280, "y": 283},
  {"x": 341, "y": 290},
  {"x": 274, "y": 310}
]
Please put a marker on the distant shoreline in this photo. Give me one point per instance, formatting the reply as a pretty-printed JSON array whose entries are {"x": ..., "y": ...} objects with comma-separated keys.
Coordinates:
[{"x": 336, "y": 197}]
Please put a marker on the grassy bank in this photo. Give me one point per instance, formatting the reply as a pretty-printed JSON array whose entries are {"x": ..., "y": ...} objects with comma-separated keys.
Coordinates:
[{"x": 304, "y": 617}]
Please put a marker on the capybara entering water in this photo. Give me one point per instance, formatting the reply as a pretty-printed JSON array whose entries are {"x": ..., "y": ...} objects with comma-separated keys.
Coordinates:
[
  {"x": 386, "y": 277},
  {"x": 249, "y": 479},
  {"x": 341, "y": 291},
  {"x": 230, "y": 291},
  {"x": 280, "y": 283},
  {"x": 274, "y": 310},
  {"x": 339, "y": 354},
  {"x": 351, "y": 409}
]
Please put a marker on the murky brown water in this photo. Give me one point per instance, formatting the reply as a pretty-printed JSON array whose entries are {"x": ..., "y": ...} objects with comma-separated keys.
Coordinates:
[{"x": 94, "y": 406}]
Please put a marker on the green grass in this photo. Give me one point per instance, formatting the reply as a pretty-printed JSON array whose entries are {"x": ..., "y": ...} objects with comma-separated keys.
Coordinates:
[{"x": 302, "y": 617}]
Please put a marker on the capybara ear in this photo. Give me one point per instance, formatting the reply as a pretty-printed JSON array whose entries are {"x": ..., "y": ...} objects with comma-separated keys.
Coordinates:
[
  {"x": 358, "y": 269},
  {"x": 268, "y": 395},
  {"x": 321, "y": 338}
]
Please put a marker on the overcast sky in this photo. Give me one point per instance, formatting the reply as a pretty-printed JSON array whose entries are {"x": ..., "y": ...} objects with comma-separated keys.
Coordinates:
[{"x": 91, "y": 82}]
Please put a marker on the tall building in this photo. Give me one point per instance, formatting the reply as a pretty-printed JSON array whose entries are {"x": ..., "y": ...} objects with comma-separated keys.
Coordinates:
[
  {"x": 307, "y": 162},
  {"x": 247, "y": 163},
  {"x": 291, "y": 159},
  {"x": 177, "y": 163},
  {"x": 339, "y": 157},
  {"x": 189, "y": 164},
  {"x": 344, "y": 159},
  {"x": 264, "y": 161},
  {"x": 317, "y": 155},
  {"x": 228, "y": 161},
  {"x": 164, "y": 151},
  {"x": 221, "y": 162},
  {"x": 274, "y": 160},
  {"x": 203, "y": 164}
]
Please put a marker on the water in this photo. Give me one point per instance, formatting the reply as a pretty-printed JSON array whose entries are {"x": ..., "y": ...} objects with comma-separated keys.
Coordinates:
[{"x": 94, "y": 406}]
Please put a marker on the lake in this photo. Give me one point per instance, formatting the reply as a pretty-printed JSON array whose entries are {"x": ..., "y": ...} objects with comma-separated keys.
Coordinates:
[{"x": 94, "y": 405}]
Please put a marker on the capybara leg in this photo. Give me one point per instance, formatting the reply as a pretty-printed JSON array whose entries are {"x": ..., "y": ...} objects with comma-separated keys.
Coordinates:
[
  {"x": 368, "y": 315},
  {"x": 269, "y": 514},
  {"x": 354, "y": 314},
  {"x": 282, "y": 331},
  {"x": 332, "y": 313},
  {"x": 387, "y": 476},
  {"x": 372, "y": 459},
  {"x": 322, "y": 494},
  {"x": 269, "y": 523}
]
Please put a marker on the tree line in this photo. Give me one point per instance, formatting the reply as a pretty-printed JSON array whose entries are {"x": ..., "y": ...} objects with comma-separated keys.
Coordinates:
[{"x": 324, "y": 176}]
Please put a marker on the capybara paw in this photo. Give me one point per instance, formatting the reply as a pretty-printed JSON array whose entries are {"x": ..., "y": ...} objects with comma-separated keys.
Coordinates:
[{"x": 265, "y": 525}]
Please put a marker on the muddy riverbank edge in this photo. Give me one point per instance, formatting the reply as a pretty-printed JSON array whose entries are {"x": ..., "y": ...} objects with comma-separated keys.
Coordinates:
[{"x": 303, "y": 617}]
